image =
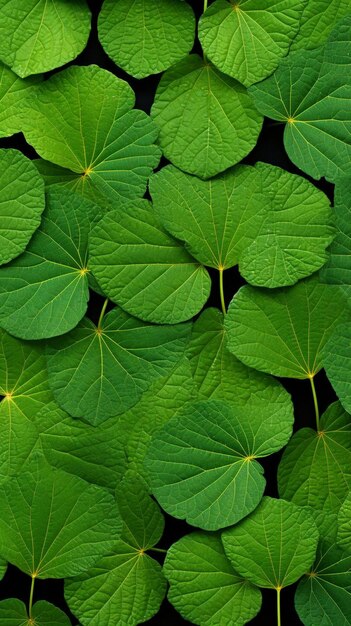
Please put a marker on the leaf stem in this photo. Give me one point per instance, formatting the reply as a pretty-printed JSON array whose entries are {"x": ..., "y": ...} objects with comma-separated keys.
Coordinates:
[
  {"x": 221, "y": 290},
  {"x": 315, "y": 400},
  {"x": 103, "y": 310},
  {"x": 279, "y": 623},
  {"x": 205, "y": 5},
  {"x": 31, "y": 598},
  {"x": 158, "y": 550}
]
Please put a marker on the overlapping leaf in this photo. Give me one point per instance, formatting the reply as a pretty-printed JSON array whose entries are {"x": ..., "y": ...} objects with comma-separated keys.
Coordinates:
[
  {"x": 317, "y": 21},
  {"x": 143, "y": 269},
  {"x": 338, "y": 269},
  {"x": 81, "y": 119},
  {"x": 39, "y": 35},
  {"x": 204, "y": 587},
  {"x": 13, "y": 90},
  {"x": 206, "y": 119},
  {"x": 276, "y": 225},
  {"x": 13, "y": 612},
  {"x": 274, "y": 546},
  {"x": 126, "y": 587},
  {"x": 337, "y": 363},
  {"x": 22, "y": 202},
  {"x": 202, "y": 463},
  {"x": 146, "y": 37},
  {"x": 54, "y": 524},
  {"x": 344, "y": 524},
  {"x": 97, "y": 372},
  {"x": 323, "y": 596},
  {"x": 247, "y": 39},
  {"x": 284, "y": 332}
]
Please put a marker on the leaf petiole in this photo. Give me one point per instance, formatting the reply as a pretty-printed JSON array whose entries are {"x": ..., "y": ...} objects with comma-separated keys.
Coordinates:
[
  {"x": 162, "y": 550},
  {"x": 315, "y": 400},
  {"x": 31, "y": 597},
  {"x": 221, "y": 290},
  {"x": 279, "y": 623},
  {"x": 205, "y": 5},
  {"x": 103, "y": 310}
]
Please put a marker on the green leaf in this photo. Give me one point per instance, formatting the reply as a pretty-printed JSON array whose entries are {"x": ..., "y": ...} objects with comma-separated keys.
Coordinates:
[
  {"x": 315, "y": 469},
  {"x": 276, "y": 225},
  {"x": 247, "y": 39},
  {"x": 336, "y": 361},
  {"x": 95, "y": 454},
  {"x": 97, "y": 372},
  {"x": 54, "y": 524},
  {"x": 143, "y": 269},
  {"x": 13, "y": 612},
  {"x": 310, "y": 91},
  {"x": 344, "y": 524},
  {"x": 44, "y": 292},
  {"x": 323, "y": 596},
  {"x": 146, "y": 37},
  {"x": 202, "y": 463},
  {"x": 204, "y": 587},
  {"x": 82, "y": 119},
  {"x": 274, "y": 546},
  {"x": 24, "y": 385},
  {"x": 21, "y": 205},
  {"x": 207, "y": 120},
  {"x": 126, "y": 587},
  {"x": 317, "y": 21},
  {"x": 284, "y": 332},
  {"x": 338, "y": 268},
  {"x": 13, "y": 91},
  {"x": 38, "y": 36}
]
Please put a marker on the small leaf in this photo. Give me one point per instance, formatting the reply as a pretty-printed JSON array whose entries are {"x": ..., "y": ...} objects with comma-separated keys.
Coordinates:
[
  {"x": 274, "y": 546},
  {"x": 204, "y": 587},
  {"x": 146, "y": 37},
  {"x": 143, "y": 269},
  {"x": 336, "y": 362},
  {"x": 344, "y": 524},
  {"x": 97, "y": 372},
  {"x": 207, "y": 120},
  {"x": 13, "y": 612},
  {"x": 54, "y": 524}
]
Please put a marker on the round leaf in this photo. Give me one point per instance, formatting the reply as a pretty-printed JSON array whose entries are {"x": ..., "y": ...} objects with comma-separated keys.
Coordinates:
[
  {"x": 53, "y": 524},
  {"x": 204, "y": 587},
  {"x": 336, "y": 363},
  {"x": 207, "y": 120},
  {"x": 284, "y": 333},
  {"x": 143, "y": 269},
  {"x": 146, "y": 37},
  {"x": 21, "y": 205},
  {"x": 39, "y": 35},
  {"x": 344, "y": 524},
  {"x": 274, "y": 546},
  {"x": 247, "y": 39},
  {"x": 13, "y": 612},
  {"x": 13, "y": 92},
  {"x": 98, "y": 372},
  {"x": 202, "y": 463},
  {"x": 81, "y": 119}
]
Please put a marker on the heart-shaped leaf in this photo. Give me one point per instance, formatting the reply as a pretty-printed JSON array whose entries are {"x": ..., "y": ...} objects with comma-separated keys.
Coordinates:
[{"x": 13, "y": 612}]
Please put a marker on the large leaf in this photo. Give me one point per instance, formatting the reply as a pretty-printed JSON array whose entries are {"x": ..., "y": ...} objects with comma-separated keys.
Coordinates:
[
  {"x": 203, "y": 585},
  {"x": 39, "y": 35},
  {"x": 126, "y": 587},
  {"x": 143, "y": 269},
  {"x": 276, "y": 225},
  {"x": 337, "y": 363},
  {"x": 284, "y": 333},
  {"x": 13, "y": 90},
  {"x": 44, "y": 292},
  {"x": 202, "y": 463},
  {"x": 310, "y": 91},
  {"x": 317, "y": 21},
  {"x": 54, "y": 524},
  {"x": 275, "y": 545},
  {"x": 247, "y": 39},
  {"x": 22, "y": 202},
  {"x": 146, "y": 37},
  {"x": 344, "y": 524},
  {"x": 207, "y": 120},
  {"x": 81, "y": 119},
  {"x": 338, "y": 269},
  {"x": 13, "y": 612},
  {"x": 100, "y": 371},
  {"x": 24, "y": 385},
  {"x": 315, "y": 469},
  {"x": 95, "y": 454},
  {"x": 323, "y": 596}
]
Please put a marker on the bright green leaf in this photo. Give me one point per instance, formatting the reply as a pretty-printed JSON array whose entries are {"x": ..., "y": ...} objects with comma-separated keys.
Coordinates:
[
  {"x": 22, "y": 202},
  {"x": 97, "y": 372},
  {"x": 274, "y": 546},
  {"x": 344, "y": 524},
  {"x": 317, "y": 21},
  {"x": 284, "y": 332},
  {"x": 13, "y": 612},
  {"x": 338, "y": 269},
  {"x": 203, "y": 585},
  {"x": 247, "y": 39},
  {"x": 336, "y": 361},
  {"x": 143, "y": 269},
  {"x": 40, "y": 35},
  {"x": 146, "y": 37},
  {"x": 323, "y": 596},
  {"x": 44, "y": 292},
  {"x": 202, "y": 465},
  {"x": 207, "y": 120},
  {"x": 13, "y": 91},
  {"x": 54, "y": 524},
  {"x": 82, "y": 119}
]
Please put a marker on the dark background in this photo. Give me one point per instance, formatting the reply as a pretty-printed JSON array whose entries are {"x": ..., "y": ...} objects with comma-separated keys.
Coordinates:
[{"x": 269, "y": 149}]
